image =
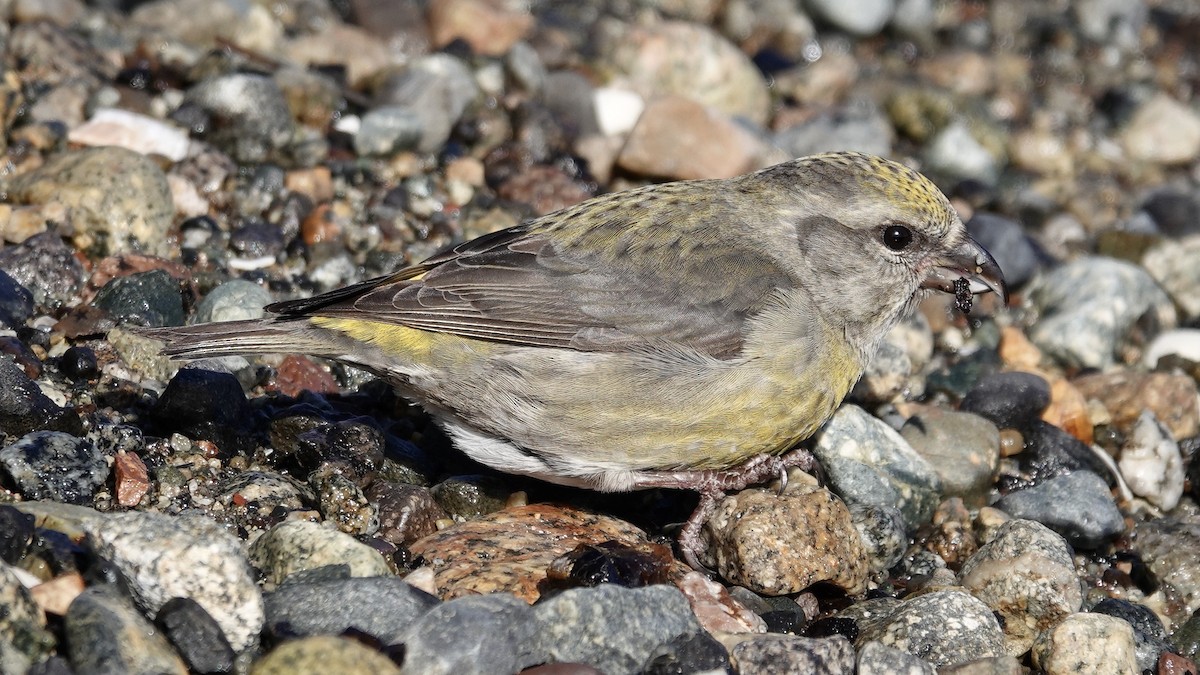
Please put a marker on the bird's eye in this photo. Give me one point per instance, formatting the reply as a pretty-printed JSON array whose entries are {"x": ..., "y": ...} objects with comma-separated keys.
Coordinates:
[{"x": 897, "y": 237}]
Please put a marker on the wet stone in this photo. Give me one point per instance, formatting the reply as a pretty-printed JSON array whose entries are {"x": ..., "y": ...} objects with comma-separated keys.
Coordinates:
[
  {"x": 55, "y": 465},
  {"x": 25, "y": 408},
  {"x": 195, "y": 635},
  {"x": 151, "y": 298},
  {"x": 106, "y": 634},
  {"x": 1077, "y": 505},
  {"x": 47, "y": 267},
  {"x": 794, "y": 654},
  {"x": 1010, "y": 400},
  {"x": 299, "y": 545},
  {"x": 382, "y": 607},
  {"x": 16, "y": 302}
]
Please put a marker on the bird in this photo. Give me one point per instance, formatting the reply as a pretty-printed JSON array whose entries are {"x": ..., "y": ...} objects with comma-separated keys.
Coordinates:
[{"x": 686, "y": 334}]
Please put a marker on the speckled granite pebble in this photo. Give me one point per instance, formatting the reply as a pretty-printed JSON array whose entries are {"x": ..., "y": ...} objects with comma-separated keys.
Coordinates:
[{"x": 299, "y": 545}]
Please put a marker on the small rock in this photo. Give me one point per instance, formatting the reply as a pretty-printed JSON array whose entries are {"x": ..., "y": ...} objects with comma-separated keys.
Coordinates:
[
  {"x": 964, "y": 450},
  {"x": 860, "y": 17},
  {"x": 1162, "y": 131},
  {"x": 523, "y": 542},
  {"x": 342, "y": 502},
  {"x": 1026, "y": 574},
  {"x": 868, "y": 462},
  {"x": 24, "y": 408},
  {"x": 22, "y": 623},
  {"x": 1171, "y": 397},
  {"x": 1149, "y": 636},
  {"x": 782, "y": 544},
  {"x": 105, "y": 634},
  {"x": 1172, "y": 264},
  {"x": 246, "y": 115},
  {"x": 692, "y": 653},
  {"x": 47, "y": 268},
  {"x": 1173, "y": 213},
  {"x": 53, "y": 465},
  {"x": 1151, "y": 464},
  {"x": 466, "y": 497},
  {"x": 324, "y": 654},
  {"x": 132, "y": 480},
  {"x": 437, "y": 89},
  {"x": 206, "y": 405},
  {"x": 1184, "y": 342},
  {"x": 945, "y": 628},
  {"x": 406, "y": 512},
  {"x": 490, "y": 27},
  {"x": 793, "y": 654},
  {"x": 1091, "y": 643},
  {"x": 139, "y": 133},
  {"x": 151, "y": 298},
  {"x": 883, "y": 533},
  {"x": 503, "y": 632},
  {"x": 386, "y": 130},
  {"x": 716, "y": 609},
  {"x": 1049, "y": 452},
  {"x": 686, "y": 59},
  {"x": 992, "y": 665},
  {"x": 298, "y": 545},
  {"x": 859, "y": 126},
  {"x": 876, "y": 658},
  {"x": 196, "y": 636},
  {"x": 233, "y": 300},
  {"x": 1077, "y": 506},
  {"x": 16, "y": 302},
  {"x": 383, "y": 607},
  {"x": 678, "y": 138},
  {"x": 119, "y": 199},
  {"x": 956, "y": 153},
  {"x": 613, "y": 629},
  {"x": 1088, "y": 307},
  {"x": 164, "y": 557},
  {"x": 1170, "y": 547}
]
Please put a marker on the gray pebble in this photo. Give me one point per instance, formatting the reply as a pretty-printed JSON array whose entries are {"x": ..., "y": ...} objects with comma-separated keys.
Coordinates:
[
  {"x": 611, "y": 628},
  {"x": 248, "y": 115},
  {"x": 233, "y": 300},
  {"x": 857, "y": 17},
  {"x": 47, "y": 267},
  {"x": 388, "y": 129},
  {"x": 164, "y": 557},
  {"x": 964, "y": 450},
  {"x": 1027, "y": 576},
  {"x": 1087, "y": 308},
  {"x": 436, "y": 89},
  {"x": 55, "y": 465},
  {"x": 868, "y": 462},
  {"x": 1151, "y": 464},
  {"x": 476, "y": 634},
  {"x": 883, "y": 533},
  {"x": 1086, "y": 643},
  {"x": 794, "y": 654},
  {"x": 1006, "y": 240},
  {"x": 859, "y": 126},
  {"x": 1077, "y": 505},
  {"x": 382, "y": 607},
  {"x": 151, "y": 298},
  {"x": 106, "y": 634},
  {"x": 943, "y": 627},
  {"x": 876, "y": 658}
]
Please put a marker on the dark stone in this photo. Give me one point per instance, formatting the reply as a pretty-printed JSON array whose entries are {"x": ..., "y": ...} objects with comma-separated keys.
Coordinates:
[
  {"x": 196, "y": 636},
  {"x": 206, "y": 405},
  {"x": 1005, "y": 239},
  {"x": 46, "y": 267},
  {"x": 79, "y": 363},
  {"x": 691, "y": 653},
  {"x": 151, "y": 298},
  {"x": 382, "y": 607},
  {"x": 1176, "y": 214},
  {"x": 16, "y": 534},
  {"x": 1050, "y": 451},
  {"x": 55, "y": 465},
  {"x": 1010, "y": 400},
  {"x": 16, "y": 302}
]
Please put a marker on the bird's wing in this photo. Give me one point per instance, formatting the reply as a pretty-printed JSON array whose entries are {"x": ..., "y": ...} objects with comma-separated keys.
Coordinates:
[{"x": 609, "y": 287}]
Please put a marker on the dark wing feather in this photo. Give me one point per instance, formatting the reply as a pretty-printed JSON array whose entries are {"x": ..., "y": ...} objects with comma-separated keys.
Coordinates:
[{"x": 546, "y": 286}]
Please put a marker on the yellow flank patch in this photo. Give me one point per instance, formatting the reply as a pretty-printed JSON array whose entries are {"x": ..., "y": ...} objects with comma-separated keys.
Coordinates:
[{"x": 415, "y": 344}]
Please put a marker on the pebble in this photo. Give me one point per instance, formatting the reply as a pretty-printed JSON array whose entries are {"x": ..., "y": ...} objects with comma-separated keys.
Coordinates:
[
  {"x": 206, "y": 405},
  {"x": 23, "y": 624},
  {"x": 612, "y": 629},
  {"x": 962, "y": 448},
  {"x": 24, "y": 408},
  {"x": 164, "y": 557},
  {"x": 678, "y": 138},
  {"x": 793, "y": 654},
  {"x": 1077, "y": 505},
  {"x": 1010, "y": 400},
  {"x": 466, "y": 497},
  {"x": 1049, "y": 452},
  {"x": 1125, "y": 394},
  {"x": 876, "y": 658},
  {"x": 321, "y": 654},
  {"x": 130, "y": 478},
  {"x": 132, "y": 131},
  {"x": 1148, "y": 633},
  {"x": 406, "y": 512},
  {"x": 956, "y": 153},
  {"x": 993, "y": 665},
  {"x": 696, "y": 652},
  {"x": 1088, "y": 306},
  {"x": 16, "y": 302},
  {"x": 55, "y": 466},
  {"x": 1184, "y": 342},
  {"x": 523, "y": 541},
  {"x": 106, "y": 634},
  {"x": 436, "y": 89},
  {"x": 119, "y": 200},
  {"x": 1151, "y": 464},
  {"x": 716, "y": 609},
  {"x": 1162, "y": 131},
  {"x": 1026, "y": 574},
  {"x": 781, "y": 544},
  {"x": 196, "y": 636},
  {"x": 342, "y": 502},
  {"x": 503, "y": 630},
  {"x": 1171, "y": 263},
  {"x": 858, "y": 17},
  {"x": 45, "y": 266},
  {"x": 386, "y": 130},
  {"x": 1086, "y": 643},
  {"x": 299, "y": 545},
  {"x": 943, "y": 627},
  {"x": 358, "y": 49},
  {"x": 245, "y": 115},
  {"x": 894, "y": 371},
  {"x": 1187, "y": 637},
  {"x": 883, "y": 534},
  {"x": 151, "y": 298},
  {"x": 859, "y": 126},
  {"x": 1006, "y": 240},
  {"x": 490, "y": 28},
  {"x": 686, "y": 59},
  {"x": 1173, "y": 213},
  {"x": 1170, "y": 547},
  {"x": 234, "y": 300},
  {"x": 383, "y": 607},
  {"x": 868, "y": 462}
]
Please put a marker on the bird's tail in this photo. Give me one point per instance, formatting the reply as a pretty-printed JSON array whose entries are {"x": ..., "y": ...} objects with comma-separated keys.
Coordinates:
[{"x": 230, "y": 338}]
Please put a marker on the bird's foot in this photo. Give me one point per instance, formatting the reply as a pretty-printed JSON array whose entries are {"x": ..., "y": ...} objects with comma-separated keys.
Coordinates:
[{"x": 712, "y": 484}]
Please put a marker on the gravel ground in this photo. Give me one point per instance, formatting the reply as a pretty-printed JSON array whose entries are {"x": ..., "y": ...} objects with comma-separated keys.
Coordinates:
[{"x": 1013, "y": 488}]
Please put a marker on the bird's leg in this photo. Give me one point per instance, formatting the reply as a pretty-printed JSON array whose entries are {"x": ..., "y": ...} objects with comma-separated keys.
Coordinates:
[{"x": 713, "y": 484}]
